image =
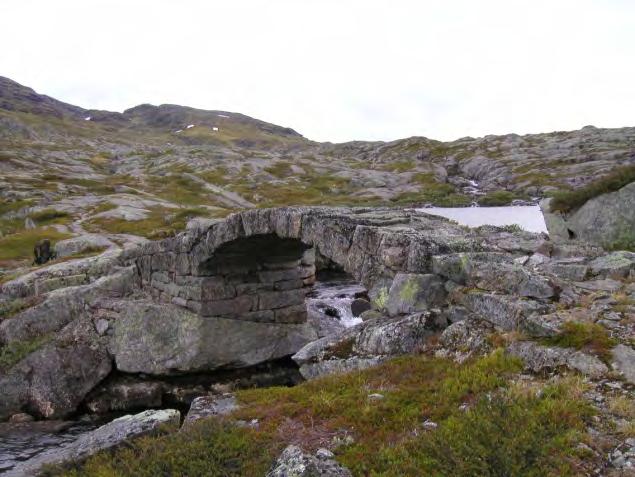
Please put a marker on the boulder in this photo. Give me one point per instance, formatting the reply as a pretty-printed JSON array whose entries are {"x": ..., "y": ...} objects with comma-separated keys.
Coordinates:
[
  {"x": 410, "y": 293},
  {"x": 293, "y": 462},
  {"x": 43, "y": 252},
  {"x": 359, "y": 306},
  {"x": 624, "y": 362},
  {"x": 538, "y": 358},
  {"x": 508, "y": 312},
  {"x": 108, "y": 436},
  {"x": 615, "y": 265},
  {"x": 209, "y": 406},
  {"x": 82, "y": 243},
  {"x": 366, "y": 344},
  {"x": 607, "y": 220},
  {"x": 53, "y": 380},
  {"x": 167, "y": 339},
  {"x": 467, "y": 337}
]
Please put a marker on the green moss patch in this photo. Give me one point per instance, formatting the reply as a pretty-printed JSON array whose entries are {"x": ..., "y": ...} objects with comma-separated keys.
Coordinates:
[{"x": 17, "y": 350}]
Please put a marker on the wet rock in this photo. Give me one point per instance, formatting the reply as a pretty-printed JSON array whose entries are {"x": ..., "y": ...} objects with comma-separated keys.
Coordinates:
[
  {"x": 106, "y": 437},
  {"x": 539, "y": 358},
  {"x": 293, "y": 462},
  {"x": 21, "y": 417},
  {"x": 624, "y": 362},
  {"x": 359, "y": 306}
]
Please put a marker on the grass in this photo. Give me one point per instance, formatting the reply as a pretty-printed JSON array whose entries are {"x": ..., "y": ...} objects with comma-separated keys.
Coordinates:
[
  {"x": 13, "y": 307},
  {"x": 160, "y": 223},
  {"x": 17, "y": 350},
  {"x": 19, "y": 246},
  {"x": 585, "y": 336},
  {"x": 497, "y": 198},
  {"x": 565, "y": 201},
  {"x": 50, "y": 216},
  {"x": 507, "y": 430}
]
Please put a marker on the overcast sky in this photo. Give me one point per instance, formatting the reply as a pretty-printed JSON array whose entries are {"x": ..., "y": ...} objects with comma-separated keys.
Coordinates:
[{"x": 338, "y": 70}]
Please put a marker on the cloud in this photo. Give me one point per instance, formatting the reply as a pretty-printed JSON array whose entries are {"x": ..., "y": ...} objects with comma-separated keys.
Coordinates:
[{"x": 337, "y": 70}]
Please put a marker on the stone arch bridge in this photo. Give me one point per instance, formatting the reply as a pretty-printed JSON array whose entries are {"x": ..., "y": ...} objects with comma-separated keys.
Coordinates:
[{"x": 258, "y": 264}]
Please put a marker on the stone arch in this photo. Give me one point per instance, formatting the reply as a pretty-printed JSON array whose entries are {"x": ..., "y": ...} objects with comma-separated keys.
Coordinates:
[{"x": 261, "y": 278}]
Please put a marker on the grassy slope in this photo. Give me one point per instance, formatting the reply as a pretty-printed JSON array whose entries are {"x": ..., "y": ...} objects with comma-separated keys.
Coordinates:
[{"x": 507, "y": 429}]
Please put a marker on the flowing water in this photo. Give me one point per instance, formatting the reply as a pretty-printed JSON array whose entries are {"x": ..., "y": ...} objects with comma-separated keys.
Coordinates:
[
  {"x": 528, "y": 217},
  {"x": 334, "y": 297}
]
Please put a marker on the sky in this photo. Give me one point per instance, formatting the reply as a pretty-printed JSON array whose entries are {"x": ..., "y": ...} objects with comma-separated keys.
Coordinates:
[{"x": 338, "y": 70}]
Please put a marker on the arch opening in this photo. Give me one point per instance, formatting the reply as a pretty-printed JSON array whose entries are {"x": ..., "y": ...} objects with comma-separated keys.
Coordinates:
[{"x": 262, "y": 278}]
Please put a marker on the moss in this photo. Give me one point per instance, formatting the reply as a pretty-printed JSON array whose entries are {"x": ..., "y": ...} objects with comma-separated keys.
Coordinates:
[
  {"x": 409, "y": 290},
  {"x": 565, "y": 201},
  {"x": 17, "y": 350},
  {"x": 381, "y": 299},
  {"x": 590, "y": 337},
  {"x": 211, "y": 448}
]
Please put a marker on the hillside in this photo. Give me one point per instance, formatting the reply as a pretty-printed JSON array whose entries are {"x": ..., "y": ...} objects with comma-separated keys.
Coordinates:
[{"x": 147, "y": 170}]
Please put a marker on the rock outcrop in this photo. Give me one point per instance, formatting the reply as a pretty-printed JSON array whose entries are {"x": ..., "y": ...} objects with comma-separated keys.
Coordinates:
[
  {"x": 230, "y": 294},
  {"x": 607, "y": 220}
]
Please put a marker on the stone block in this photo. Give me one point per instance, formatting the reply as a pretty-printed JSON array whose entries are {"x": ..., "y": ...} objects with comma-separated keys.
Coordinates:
[
  {"x": 281, "y": 299},
  {"x": 230, "y": 308},
  {"x": 288, "y": 284},
  {"x": 252, "y": 288},
  {"x": 215, "y": 288}
]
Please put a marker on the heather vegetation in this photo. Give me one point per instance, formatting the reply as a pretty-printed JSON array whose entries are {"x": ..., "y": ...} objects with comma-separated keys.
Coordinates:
[{"x": 487, "y": 425}]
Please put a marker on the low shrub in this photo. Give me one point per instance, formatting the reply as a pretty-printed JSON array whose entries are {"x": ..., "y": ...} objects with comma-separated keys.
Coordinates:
[
  {"x": 497, "y": 198},
  {"x": 583, "y": 336},
  {"x": 565, "y": 201}
]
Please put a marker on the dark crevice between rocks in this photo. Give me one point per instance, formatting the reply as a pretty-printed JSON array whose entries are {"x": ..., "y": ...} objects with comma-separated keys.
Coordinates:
[{"x": 126, "y": 393}]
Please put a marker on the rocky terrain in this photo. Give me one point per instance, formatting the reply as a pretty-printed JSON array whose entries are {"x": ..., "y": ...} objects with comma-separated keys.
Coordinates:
[
  {"x": 135, "y": 328},
  {"x": 146, "y": 171},
  {"x": 167, "y": 291}
]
